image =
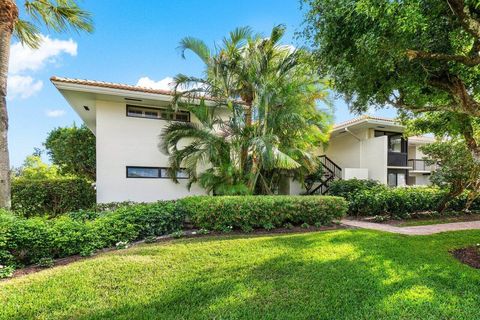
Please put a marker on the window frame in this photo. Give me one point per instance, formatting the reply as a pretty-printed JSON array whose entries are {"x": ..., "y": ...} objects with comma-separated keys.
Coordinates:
[
  {"x": 160, "y": 110},
  {"x": 159, "y": 173},
  {"x": 396, "y": 172}
]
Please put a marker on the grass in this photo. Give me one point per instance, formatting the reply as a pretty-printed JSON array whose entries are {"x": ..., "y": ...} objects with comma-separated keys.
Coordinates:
[
  {"x": 438, "y": 220},
  {"x": 343, "y": 274}
]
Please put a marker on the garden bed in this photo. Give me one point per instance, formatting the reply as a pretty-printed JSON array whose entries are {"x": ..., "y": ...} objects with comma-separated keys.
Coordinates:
[
  {"x": 423, "y": 219},
  {"x": 469, "y": 255}
]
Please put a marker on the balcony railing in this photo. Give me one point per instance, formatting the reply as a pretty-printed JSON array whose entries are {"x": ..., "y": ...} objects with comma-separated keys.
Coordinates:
[
  {"x": 420, "y": 165},
  {"x": 397, "y": 159}
]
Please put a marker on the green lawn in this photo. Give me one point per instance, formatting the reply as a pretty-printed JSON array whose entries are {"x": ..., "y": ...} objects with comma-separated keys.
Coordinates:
[
  {"x": 344, "y": 274},
  {"x": 438, "y": 220}
]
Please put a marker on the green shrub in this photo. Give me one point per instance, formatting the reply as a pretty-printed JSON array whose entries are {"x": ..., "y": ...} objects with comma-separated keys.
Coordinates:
[
  {"x": 348, "y": 189},
  {"x": 396, "y": 202},
  {"x": 51, "y": 196},
  {"x": 26, "y": 241},
  {"x": 244, "y": 212}
]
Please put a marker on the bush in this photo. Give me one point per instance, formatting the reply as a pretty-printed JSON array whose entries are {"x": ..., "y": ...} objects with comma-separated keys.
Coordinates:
[
  {"x": 349, "y": 188},
  {"x": 26, "y": 241},
  {"x": 398, "y": 202},
  {"x": 246, "y": 212},
  {"x": 51, "y": 196}
]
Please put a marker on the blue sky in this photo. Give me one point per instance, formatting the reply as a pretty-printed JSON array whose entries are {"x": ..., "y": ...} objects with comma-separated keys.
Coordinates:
[{"x": 132, "y": 40}]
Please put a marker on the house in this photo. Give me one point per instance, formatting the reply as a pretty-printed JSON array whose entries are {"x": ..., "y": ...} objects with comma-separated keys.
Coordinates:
[
  {"x": 127, "y": 121},
  {"x": 374, "y": 148}
]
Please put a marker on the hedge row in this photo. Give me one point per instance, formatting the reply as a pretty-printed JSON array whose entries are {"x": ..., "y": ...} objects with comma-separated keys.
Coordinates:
[
  {"x": 367, "y": 198},
  {"x": 249, "y": 212},
  {"x": 52, "y": 196},
  {"x": 25, "y": 241}
]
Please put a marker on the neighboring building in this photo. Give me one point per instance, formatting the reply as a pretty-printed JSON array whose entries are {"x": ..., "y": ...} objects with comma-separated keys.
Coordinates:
[
  {"x": 374, "y": 148},
  {"x": 127, "y": 121}
]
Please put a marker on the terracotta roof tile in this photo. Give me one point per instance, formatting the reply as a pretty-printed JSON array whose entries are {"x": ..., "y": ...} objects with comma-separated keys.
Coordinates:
[{"x": 114, "y": 85}]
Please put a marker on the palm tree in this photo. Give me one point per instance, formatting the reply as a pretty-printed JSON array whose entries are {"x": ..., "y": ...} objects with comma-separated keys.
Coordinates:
[
  {"x": 59, "y": 15},
  {"x": 272, "y": 94}
]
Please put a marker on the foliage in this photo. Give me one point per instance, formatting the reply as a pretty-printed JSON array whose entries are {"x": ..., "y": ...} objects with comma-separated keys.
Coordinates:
[
  {"x": 6, "y": 271},
  {"x": 240, "y": 212},
  {"x": 419, "y": 56},
  {"x": 34, "y": 168},
  {"x": 26, "y": 241},
  {"x": 51, "y": 196},
  {"x": 46, "y": 262},
  {"x": 402, "y": 202},
  {"x": 72, "y": 149},
  {"x": 341, "y": 274},
  {"x": 456, "y": 172},
  {"x": 348, "y": 188},
  {"x": 269, "y": 135}
]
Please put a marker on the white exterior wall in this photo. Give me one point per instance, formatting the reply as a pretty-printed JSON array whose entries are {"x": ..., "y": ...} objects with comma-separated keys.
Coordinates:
[
  {"x": 128, "y": 141},
  {"x": 344, "y": 150},
  {"x": 374, "y": 153}
]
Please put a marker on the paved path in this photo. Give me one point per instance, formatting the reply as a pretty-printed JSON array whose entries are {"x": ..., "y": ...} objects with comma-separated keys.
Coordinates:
[{"x": 417, "y": 230}]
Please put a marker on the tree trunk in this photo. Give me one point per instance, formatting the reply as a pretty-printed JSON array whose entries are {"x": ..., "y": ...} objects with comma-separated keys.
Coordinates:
[{"x": 8, "y": 18}]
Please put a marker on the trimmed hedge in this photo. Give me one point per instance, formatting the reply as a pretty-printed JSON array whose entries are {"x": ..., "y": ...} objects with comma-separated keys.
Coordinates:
[
  {"x": 248, "y": 212},
  {"x": 52, "y": 196},
  {"x": 25, "y": 241},
  {"x": 401, "y": 202}
]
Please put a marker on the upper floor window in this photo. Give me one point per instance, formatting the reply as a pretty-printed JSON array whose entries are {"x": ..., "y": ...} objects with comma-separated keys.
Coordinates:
[
  {"x": 396, "y": 142},
  {"x": 157, "y": 113}
]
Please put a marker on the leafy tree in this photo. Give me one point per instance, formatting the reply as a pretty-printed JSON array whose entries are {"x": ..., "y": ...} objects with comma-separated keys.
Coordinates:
[
  {"x": 34, "y": 168},
  {"x": 419, "y": 56},
  {"x": 456, "y": 172},
  {"x": 72, "y": 149},
  {"x": 58, "y": 15},
  {"x": 275, "y": 123}
]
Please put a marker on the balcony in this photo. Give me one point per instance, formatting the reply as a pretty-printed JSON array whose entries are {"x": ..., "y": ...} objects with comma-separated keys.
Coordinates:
[
  {"x": 420, "y": 165},
  {"x": 397, "y": 159}
]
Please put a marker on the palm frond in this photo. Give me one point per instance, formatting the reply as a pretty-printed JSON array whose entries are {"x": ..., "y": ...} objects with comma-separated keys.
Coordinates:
[
  {"x": 197, "y": 46},
  {"x": 27, "y": 33}
]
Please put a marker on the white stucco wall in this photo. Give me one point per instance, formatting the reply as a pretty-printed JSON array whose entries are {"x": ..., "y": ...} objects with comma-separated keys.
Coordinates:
[
  {"x": 344, "y": 150},
  {"x": 355, "y": 173},
  {"x": 127, "y": 141},
  {"x": 374, "y": 157}
]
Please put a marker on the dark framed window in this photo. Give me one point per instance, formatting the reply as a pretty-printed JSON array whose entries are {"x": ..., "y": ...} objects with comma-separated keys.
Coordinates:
[
  {"x": 396, "y": 142},
  {"x": 154, "y": 173},
  {"x": 397, "y": 177},
  {"x": 157, "y": 113}
]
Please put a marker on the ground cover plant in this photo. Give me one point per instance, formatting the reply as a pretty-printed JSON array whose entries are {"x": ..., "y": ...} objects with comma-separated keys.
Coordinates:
[{"x": 343, "y": 274}]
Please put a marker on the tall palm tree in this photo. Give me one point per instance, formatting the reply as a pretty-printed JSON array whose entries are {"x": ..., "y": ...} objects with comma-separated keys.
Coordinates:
[
  {"x": 58, "y": 15},
  {"x": 272, "y": 95}
]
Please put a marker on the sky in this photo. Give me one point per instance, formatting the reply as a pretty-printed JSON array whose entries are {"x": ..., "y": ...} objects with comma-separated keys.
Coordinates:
[{"x": 134, "y": 42}]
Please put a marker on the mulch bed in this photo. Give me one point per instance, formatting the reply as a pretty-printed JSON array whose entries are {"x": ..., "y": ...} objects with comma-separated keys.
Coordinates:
[
  {"x": 188, "y": 234},
  {"x": 468, "y": 255}
]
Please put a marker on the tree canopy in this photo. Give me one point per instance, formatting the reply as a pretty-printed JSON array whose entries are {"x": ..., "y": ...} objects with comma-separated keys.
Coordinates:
[
  {"x": 419, "y": 56},
  {"x": 73, "y": 150}
]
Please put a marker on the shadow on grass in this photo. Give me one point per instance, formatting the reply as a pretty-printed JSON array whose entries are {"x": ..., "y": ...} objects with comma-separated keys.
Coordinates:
[{"x": 334, "y": 275}]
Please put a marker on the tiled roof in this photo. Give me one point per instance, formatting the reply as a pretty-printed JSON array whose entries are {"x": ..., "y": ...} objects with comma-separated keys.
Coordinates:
[
  {"x": 112, "y": 85},
  {"x": 362, "y": 118},
  {"x": 121, "y": 86}
]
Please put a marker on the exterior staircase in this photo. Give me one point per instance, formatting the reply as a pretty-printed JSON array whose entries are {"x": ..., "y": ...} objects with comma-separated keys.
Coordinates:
[{"x": 329, "y": 172}]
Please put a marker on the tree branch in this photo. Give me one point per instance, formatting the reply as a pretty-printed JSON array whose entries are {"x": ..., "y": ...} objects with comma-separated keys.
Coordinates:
[
  {"x": 469, "y": 23},
  {"x": 469, "y": 61}
]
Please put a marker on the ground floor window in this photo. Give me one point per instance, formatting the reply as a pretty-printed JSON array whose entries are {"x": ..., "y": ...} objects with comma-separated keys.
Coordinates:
[
  {"x": 154, "y": 172},
  {"x": 397, "y": 177}
]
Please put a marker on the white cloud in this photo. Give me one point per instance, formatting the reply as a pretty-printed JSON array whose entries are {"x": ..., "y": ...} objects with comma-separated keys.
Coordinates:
[
  {"x": 55, "y": 113},
  {"x": 23, "y": 86},
  {"x": 23, "y": 61},
  {"x": 26, "y": 59},
  {"x": 164, "y": 84}
]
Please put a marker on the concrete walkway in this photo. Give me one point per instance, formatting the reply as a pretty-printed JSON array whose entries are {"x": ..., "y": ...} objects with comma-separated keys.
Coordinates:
[{"x": 414, "y": 231}]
